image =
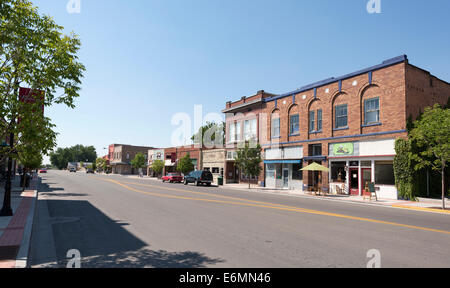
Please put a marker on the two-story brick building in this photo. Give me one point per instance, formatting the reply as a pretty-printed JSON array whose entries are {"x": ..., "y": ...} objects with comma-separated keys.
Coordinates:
[
  {"x": 243, "y": 120},
  {"x": 121, "y": 155},
  {"x": 348, "y": 124}
]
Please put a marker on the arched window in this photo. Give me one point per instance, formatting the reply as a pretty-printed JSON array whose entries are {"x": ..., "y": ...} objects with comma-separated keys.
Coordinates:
[
  {"x": 315, "y": 117},
  {"x": 340, "y": 111},
  {"x": 275, "y": 124},
  {"x": 294, "y": 121}
]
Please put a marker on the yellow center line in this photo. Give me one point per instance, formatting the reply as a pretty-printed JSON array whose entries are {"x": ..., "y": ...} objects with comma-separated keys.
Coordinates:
[
  {"x": 275, "y": 207},
  {"x": 209, "y": 194}
]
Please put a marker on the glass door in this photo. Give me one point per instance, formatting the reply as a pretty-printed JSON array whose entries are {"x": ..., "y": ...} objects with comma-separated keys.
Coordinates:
[
  {"x": 285, "y": 178},
  {"x": 366, "y": 179},
  {"x": 354, "y": 182}
]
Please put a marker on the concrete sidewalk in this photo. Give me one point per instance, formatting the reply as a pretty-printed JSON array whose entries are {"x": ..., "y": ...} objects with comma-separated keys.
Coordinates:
[
  {"x": 15, "y": 231},
  {"x": 427, "y": 205}
]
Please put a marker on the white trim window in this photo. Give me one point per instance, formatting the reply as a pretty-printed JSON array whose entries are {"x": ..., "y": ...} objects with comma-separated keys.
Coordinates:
[
  {"x": 275, "y": 126},
  {"x": 235, "y": 132},
  {"x": 372, "y": 111},
  {"x": 250, "y": 130}
]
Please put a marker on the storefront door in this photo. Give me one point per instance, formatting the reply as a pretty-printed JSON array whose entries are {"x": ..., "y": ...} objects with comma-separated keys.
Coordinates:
[
  {"x": 366, "y": 178},
  {"x": 354, "y": 182},
  {"x": 285, "y": 178}
]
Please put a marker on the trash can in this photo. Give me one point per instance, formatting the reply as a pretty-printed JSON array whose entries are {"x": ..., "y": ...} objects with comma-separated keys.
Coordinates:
[{"x": 220, "y": 181}]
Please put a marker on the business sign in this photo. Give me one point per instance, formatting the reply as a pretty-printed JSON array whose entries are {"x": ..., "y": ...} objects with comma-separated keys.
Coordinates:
[
  {"x": 29, "y": 96},
  {"x": 343, "y": 149}
]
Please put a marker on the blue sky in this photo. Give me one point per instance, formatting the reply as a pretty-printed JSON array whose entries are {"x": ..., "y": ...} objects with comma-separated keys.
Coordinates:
[{"x": 149, "y": 59}]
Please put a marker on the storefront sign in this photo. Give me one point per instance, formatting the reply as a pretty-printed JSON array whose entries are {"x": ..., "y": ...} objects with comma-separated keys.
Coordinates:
[{"x": 343, "y": 149}]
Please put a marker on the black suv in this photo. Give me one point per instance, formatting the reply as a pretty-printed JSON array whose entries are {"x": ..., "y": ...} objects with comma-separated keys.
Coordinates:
[{"x": 199, "y": 177}]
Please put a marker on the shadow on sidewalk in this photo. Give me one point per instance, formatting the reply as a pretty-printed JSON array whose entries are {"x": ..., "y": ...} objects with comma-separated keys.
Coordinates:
[{"x": 104, "y": 242}]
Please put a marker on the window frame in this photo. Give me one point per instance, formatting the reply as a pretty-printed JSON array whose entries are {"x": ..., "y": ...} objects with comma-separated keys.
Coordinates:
[
  {"x": 319, "y": 120},
  {"x": 376, "y": 110},
  {"x": 312, "y": 121},
  {"x": 338, "y": 117},
  {"x": 272, "y": 130},
  {"x": 291, "y": 125}
]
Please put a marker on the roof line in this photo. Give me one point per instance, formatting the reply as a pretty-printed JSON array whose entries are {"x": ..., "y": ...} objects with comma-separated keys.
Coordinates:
[{"x": 384, "y": 64}]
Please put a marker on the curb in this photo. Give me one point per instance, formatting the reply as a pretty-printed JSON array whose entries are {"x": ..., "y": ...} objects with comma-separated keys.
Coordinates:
[
  {"x": 23, "y": 254},
  {"x": 374, "y": 204},
  {"x": 422, "y": 209}
]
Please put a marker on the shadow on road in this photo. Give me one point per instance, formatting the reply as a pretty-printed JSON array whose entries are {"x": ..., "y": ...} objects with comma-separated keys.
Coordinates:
[
  {"x": 147, "y": 258},
  {"x": 104, "y": 242},
  {"x": 46, "y": 190}
]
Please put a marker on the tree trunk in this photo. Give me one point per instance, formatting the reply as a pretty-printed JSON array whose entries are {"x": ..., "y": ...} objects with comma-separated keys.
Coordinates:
[
  {"x": 24, "y": 176},
  {"x": 248, "y": 182},
  {"x": 443, "y": 186}
]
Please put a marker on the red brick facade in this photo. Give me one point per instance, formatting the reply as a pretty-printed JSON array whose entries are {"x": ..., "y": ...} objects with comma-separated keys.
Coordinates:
[
  {"x": 180, "y": 152},
  {"x": 401, "y": 89}
]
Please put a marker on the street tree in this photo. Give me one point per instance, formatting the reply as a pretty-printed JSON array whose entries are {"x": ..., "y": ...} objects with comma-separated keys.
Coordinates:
[
  {"x": 210, "y": 135},
  {"x": 102, "y": 164},
  {"x": 185, "y": 165},
  {"x": 248, "y": 160},
  {"x": 139, "y": 161},
  {"x": 431, "y": 133},
  {"x": 35, "y": 53},
  {"x": 158, "y": 167},
  {"x": 62, "y": 156}
]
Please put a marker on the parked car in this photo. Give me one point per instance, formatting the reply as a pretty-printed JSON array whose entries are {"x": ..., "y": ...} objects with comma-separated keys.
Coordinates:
[
  {"x": 172, "y": 178},
  {"x": 72, "y": 169},
  {"x": 90, "y": 171},
  {"x": 199, "y": 177},
  {"x": 43, "y": 170}
]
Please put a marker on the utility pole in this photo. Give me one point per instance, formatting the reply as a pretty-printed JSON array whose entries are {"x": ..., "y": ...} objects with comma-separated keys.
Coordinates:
[{"x": 6, "y": 209}]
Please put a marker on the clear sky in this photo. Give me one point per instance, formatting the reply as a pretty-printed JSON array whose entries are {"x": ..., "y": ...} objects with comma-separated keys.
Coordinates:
[{"x": 149, "y": 59}]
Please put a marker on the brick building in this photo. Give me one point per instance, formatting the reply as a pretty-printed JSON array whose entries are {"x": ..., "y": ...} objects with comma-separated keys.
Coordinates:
[
  {"x": 173, "y": 154},
  {"x": 120, "y": 157},
  {"x": 154, "y": 155},
  {"x": 348, "y": 124},
  {"x": 243, "y": 120}
]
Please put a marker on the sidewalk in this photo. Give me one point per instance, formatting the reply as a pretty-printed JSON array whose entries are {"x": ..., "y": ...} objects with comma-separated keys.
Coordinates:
[
  {"x": 15, "y": 231},
  {"x": 427, "y": 205}
]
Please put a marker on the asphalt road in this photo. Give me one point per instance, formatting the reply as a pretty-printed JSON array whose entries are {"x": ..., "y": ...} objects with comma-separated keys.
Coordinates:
[{"x": 116, "y": 221}]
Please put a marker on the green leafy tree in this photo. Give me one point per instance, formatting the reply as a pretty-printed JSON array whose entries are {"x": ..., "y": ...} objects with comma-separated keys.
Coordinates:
[
  {"x": 62, "y": 156},
  {"x": 431, "y": 134},
  {"x": 210, "y": 135},
  {"x": 101, "y": 164},
  {"x": 404, "y": 169},
  {"x": 185, "y": 165},
  {"x": 139, "y": 161},
  {"x": 35, "y": 53},
  {"x": 158, "y": 167},
  {"x": 248, "y": 160}
]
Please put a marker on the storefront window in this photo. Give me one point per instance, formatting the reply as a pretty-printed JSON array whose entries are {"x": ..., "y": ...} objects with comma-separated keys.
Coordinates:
[
  {"x": 297, "y": 174},
  {"x": 366, "y": 164},
  {"x": 384, "y": 173},
  {"x": 338, "y": 173}
]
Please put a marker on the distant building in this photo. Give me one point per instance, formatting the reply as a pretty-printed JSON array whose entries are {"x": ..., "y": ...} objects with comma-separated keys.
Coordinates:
[
  {"x": 154, "y": 155},
  {"x": 121, "y": 155}
]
